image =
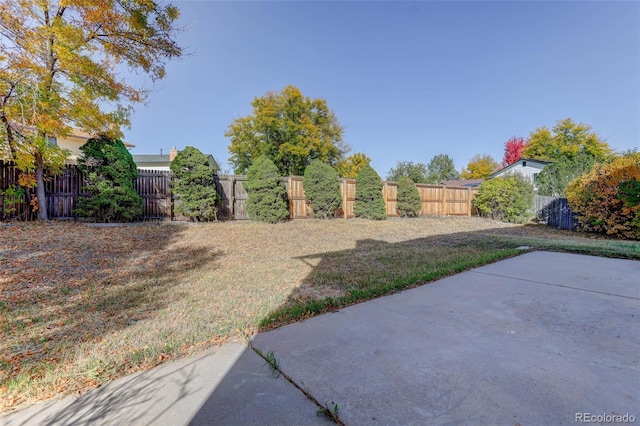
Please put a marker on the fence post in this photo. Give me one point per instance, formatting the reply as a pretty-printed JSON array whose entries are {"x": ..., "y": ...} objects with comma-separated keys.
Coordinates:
[
  {"x": 343, "y": 190},
  {"x": 232, "y": 197}
]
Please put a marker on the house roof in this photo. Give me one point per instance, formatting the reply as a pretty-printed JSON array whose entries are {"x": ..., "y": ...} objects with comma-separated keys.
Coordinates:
[
  {"x": 530, "y": 162},
  {"x": 79, "y": 134},
  {"x": 165, "y": 159},
  {"x": 151, "y": 158},
  {"x": 469, "y": 183}
]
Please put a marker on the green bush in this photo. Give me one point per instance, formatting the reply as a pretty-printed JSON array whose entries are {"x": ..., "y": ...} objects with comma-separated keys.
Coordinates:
[
  {"x": 409, "y": 203},
  {"x": 508, "y": 198},
  {"x": 607, "y": 199},
  {"x": 369, "y": 201},
  {"x": 322, "y": 188},
  {"x": 194, "y": 185},
  {"x": 265, "y": 192},
  {"x": 110, "y": 173}
]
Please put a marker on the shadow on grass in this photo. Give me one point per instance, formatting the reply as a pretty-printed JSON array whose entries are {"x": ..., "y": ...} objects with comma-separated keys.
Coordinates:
[
  {"x": 70, "y": 284},
  {"x": 375, "y": 268}
]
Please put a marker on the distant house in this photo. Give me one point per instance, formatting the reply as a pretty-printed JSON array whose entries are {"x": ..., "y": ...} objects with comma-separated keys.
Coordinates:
[
  {"x": 467, "y": 183},
  {"x": 528, "y": 168},
  {"x": 163, "y": 161},
  {"x": 74, "y": 141},
  {"x": 155, "y": 161}
]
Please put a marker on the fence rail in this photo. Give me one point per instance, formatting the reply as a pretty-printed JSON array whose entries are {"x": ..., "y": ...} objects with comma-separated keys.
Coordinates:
[
  {"x": 554, "y": 211},
  {"x": 154, "y": 186}
]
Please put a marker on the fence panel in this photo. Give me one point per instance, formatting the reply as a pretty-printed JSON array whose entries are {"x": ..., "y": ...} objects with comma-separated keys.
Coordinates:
[
  {"x": 432, "y": 198},
  {"x": 13, "y": 209},
  {"x": 348, "y": 191},
  {"x": 458, "y": 201},
  {"x": 240, "y": 198},
  {"x": 390, "y": 194},
  {"x": 224, "y": 187},
  {"x": 154, "y": 186},
  {"x": 62, "y": 193},
  {"x": 299, "y": 208},
  {"x": 554, "y": 211},
  {"x": 232, "y": 197}
]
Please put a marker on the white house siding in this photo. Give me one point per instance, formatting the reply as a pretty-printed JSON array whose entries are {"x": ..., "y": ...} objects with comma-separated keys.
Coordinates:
[{"x": 530, "y": 171}]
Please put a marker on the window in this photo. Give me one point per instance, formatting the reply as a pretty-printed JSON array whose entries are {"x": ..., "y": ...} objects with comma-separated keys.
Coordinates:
[
  {"x": 535, "y": 177},
  {"x": 524, "y": 164},
  {"x": 52, "y": 141}
]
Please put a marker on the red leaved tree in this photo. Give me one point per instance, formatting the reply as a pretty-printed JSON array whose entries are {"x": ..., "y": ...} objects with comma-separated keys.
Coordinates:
[{"x": 513, "y": 149}]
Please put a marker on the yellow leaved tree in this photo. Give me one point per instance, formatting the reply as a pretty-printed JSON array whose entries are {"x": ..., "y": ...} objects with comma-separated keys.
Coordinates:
[
  {"x": 479, "y": 167},
  {"x": 58, "y": 71}
]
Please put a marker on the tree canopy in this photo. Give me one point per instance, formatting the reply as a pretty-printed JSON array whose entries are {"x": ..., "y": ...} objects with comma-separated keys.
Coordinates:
[
  {"x": 555, "y": 177},
  {"x": 565, "y": 140},
  {"x": 58, "y": 64},
  {"x": 441, "y": 168},
  {"x": 480, "y": 166},
  {"x": 513, "y": 150},
  {"x": 418, "y": 172},
  {"x": 350, "y": 167},
  {"x": 290, "y": 129}
]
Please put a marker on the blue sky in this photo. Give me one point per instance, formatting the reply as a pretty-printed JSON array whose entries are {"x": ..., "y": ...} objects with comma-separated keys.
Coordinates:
[{"x": 407, "y": 80}]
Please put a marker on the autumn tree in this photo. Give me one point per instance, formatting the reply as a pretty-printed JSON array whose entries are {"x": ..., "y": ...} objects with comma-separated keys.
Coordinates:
[
  {"x": 479, "y": 167},
  {"x": 513, "y": 150},
  {"x": 58, "y": 71},
  {"x": 418, "y": 172},
  {"x": 565, "y": 140},
  {"x": 607, "y": 199},
  {"x": 350, "y": 167},
  {"x": 290, "y": 129},
  {"x": 441, "y": 168}
]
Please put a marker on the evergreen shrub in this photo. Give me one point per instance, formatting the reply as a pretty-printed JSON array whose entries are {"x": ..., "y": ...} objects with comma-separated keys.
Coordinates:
[
  {"x": 322, "y": 189},
  {"x": 110, "y": 173},
  {"x": 369, "y": 200},
  {"x": 194, "y": 185},
  {"x": 265, "y": 192}
]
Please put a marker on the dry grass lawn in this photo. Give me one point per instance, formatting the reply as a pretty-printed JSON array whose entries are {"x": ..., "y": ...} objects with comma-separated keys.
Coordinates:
[{"x": 82, "y": 304}]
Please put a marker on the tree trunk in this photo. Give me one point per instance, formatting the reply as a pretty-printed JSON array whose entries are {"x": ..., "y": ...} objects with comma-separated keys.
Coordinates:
[{"x": 42, "y": 200}]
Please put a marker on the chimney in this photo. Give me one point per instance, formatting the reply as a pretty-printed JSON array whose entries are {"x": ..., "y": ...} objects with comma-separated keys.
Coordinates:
[{"x": 172, "y": 153}]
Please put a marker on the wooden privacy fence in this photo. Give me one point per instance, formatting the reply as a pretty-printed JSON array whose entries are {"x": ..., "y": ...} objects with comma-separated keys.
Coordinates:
[
  {"x": 554, "y": 211},
  {"x": 154, "y": 186},
  {"x": 436, "y": 199},
  {"x": 64, "y": 190}
]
